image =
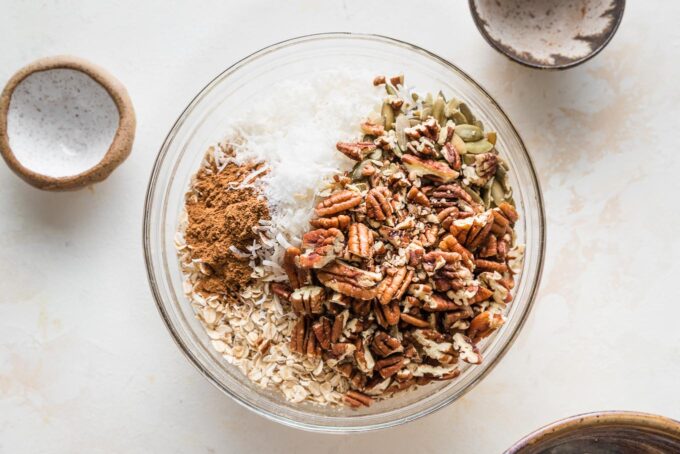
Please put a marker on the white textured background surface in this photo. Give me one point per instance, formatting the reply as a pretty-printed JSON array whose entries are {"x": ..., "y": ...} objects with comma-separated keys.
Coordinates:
[{"x": 86, "y": 364}]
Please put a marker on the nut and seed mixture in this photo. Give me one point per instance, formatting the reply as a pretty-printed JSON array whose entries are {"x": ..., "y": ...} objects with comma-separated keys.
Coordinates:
[{"x": 408, "y": 263}]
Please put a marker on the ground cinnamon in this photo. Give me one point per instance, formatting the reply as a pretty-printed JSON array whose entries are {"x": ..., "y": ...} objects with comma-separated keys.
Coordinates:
[{"x": 222, "y": 216}]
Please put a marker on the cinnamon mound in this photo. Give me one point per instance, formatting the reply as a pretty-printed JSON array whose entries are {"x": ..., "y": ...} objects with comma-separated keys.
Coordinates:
[{"x": 221, "y": 216}]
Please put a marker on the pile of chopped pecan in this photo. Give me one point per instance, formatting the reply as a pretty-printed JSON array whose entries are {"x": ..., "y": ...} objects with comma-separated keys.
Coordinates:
[{"x": 406, "y": 267}]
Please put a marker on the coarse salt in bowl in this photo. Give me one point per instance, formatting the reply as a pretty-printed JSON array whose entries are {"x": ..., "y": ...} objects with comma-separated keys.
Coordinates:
[
  {"x": 65, "y": 123},
  {"x": 250, "y": 83}
]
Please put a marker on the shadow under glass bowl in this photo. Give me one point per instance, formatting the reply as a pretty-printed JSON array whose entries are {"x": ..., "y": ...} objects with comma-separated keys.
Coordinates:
[
  {"x": 203, "y": 123},
  {"x": 620, "y": 432}
]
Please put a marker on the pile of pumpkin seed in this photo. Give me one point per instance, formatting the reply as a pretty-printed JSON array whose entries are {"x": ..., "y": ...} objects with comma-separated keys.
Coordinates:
[{"x": 402, "y": 109}]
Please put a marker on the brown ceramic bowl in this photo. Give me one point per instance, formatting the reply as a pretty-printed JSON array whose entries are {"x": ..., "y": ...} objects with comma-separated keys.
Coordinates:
[
  {"x": 70, "y": 99},
  {"x": 619, "y": 432},
  {"x": 548, "y": 34}
]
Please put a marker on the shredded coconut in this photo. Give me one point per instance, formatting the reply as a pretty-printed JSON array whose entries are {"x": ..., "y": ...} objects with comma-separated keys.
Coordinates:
[{"x": 295, "y": 131}]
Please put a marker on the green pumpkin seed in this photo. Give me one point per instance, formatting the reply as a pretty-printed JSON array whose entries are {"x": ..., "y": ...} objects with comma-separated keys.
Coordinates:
[
  {"x": 469, "y": 133},
  {"x": 459, "y": 118},
  {"x": 474, "y": 194},
  {"x": 451, "y": 107},
  {"x": 388, "y": 116},
  {"x": 469, "y": 159},
  {"x": 497, "y": 193},
  {"x": 479, "y": 124},
  {"x": 502, "y": 176},
  {"x": 390, "y": 90},
  {"x": 502, "y": 163},
  {"x": 414, "y": 96},
  {"x": 400, "y": 125},
  {"x": 465, "y": 110},
  {"x": 479, "y": 147},
  {"x": 486, "y": 195},
  {"x": 438, "y": 110},
  {"x": 459, "y": 144}
]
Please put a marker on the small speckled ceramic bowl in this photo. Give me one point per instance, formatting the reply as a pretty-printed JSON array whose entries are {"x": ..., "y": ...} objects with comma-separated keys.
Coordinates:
[
  {"x": 548, "y": 34},
  {"x": 619, "y": 432},
  {"x": 65, "y": 123}
]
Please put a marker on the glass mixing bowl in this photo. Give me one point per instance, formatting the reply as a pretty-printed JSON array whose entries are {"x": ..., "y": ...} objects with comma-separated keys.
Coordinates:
[{"x": 203, "y": 123}]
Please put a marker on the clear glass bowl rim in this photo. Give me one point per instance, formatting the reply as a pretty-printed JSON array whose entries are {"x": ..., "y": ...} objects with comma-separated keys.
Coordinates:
[{"x": 151, "y": 189}]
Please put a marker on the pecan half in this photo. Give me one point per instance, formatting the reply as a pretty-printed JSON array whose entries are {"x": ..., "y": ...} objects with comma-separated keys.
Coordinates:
[
  {"x": 282, "y": 290},
  {"x": 387, "y": 314},
  {"x": 384, "y": 345},
  {"x": 452, "y": 317},
  {"x": 337, "y": 203},
  {"x": 484, "y": 324},
  {"x": 394, "y": 286},
  {"x": 450, "y": 243},
  {"x": 489, "y": 249},
  {"x": 485, "y": 166},
  {"x": 438, "y": 303},
  {"x": 449, "y": 214},
  {"x": 483, "y": 294},
  {"x": 473, "y": 231},
  {"x": 296, "y": 275},
  {"x": 360, "y": 242},
  {"x": 417, "y": 196},
  {"x": 356, "y": 150},
  {"x": 452, "y": 156},
  {"x": 435, "y": 260},
  {"x": 349, "y": 280},
  {"x": 339, "y": 222},
  {"x": 509, "y": 212},
  {"x": 303, "y": 340},
  {"x": 357, "y": 399},
  {"x": 429, "y": 236},
  {"x": 488, "y": 265},
  {"x": 363, "y": 357},
  {"x": 322, "y": 331},
  {"x": 414, "y": 321},
  {"x": 338, "y": 326},
  {"x": 321, "y": 246},
  {"x": 423, "y": 147},
  {"x": 372, "y": 128},
  {"x": 429, "y": 129},
  {"x": 308, "y": 300},
  {"x": 389, "y": 366},
  {"x": 377, "y": 205},
  {"x": 297, "y": 337},
  {"x": 452, "y": 192}
]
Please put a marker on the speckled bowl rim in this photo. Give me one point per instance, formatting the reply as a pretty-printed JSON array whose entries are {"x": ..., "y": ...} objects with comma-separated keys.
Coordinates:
[
  {"x": 120, "y": 147},
  {"x": 479, "y": 22},
  {"x": 653, "y": 423}
]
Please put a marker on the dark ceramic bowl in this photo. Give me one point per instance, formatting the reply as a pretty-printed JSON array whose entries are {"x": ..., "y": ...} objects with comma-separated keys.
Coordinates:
[
  {"x": 548, "y": 34},
  {"x": 618, "y": 432}
]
